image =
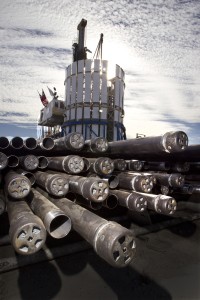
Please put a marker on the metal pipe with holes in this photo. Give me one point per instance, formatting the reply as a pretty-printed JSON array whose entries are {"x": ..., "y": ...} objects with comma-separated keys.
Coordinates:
[
  {"x": 137, "y": 148},
  {"x": 91, "y": 188},
  {"x": 112, "y": 242},
  {"x": 132, "y": 200},
  {"x": 74, "y": 141},
  {"x": 56, "y": 222},
  {"x": 29, "y": 162},
  {"x": 101, "y": 165},
  {"x": 54, "y": 184},
  {"x": 161, "y": 204},
  {"x": 72, "y": 164},
  {"x": 135, "y": 182},
  {"x": 16, "y": 185},
  {"x": 96, "y": 145},
  {"x": 27, "y": 232}
]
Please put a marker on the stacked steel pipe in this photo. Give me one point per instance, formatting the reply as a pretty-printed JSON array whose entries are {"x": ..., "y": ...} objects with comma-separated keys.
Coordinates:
[{"x": 51, "y": 185}]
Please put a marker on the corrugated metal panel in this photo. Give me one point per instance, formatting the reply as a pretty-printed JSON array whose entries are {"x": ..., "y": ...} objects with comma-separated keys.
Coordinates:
[
  {"x": 80, "y": 88},
  {"x": 96, "y": 65},
  {"x": 104, "y": 93},
  {"x": 68, "y": 91},
  {"x": 74, "y": 68},
  {"x": 96, "y": 87},
  {"x": 88, "y": 63},
  {"x": 86, "y": 112},
  {"x": 69, "y": 71},
  {"x": 72, "y": 114},
  {"x": 80, "y": 66},
  {"x": 73, "y": 94},
  {"x": 117, "y": 91},
  {"x": 79, "y": 113},
  {"x": 88, "y": 87}
]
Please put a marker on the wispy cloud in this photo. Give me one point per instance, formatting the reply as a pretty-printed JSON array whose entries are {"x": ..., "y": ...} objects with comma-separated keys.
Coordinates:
[{"x": 156, "y": 43}]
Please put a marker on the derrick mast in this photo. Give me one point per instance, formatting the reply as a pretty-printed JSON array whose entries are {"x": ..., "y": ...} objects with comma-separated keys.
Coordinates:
[{"x": 94, "y": 99}]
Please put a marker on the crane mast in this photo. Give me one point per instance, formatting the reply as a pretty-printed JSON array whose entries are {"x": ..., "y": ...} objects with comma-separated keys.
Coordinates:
[{"x": 79, "y": 49}]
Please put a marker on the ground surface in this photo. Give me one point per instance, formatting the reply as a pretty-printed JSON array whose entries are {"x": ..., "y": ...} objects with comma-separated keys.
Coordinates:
[{"x": 167, "y": 266}]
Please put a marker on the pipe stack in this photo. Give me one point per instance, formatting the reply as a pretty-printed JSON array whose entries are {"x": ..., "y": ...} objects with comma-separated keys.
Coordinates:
[{"x": 50, "y": 185}]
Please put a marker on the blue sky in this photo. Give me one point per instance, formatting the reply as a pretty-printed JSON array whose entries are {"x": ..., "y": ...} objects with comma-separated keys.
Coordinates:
[{"x": 156, "y": 42}]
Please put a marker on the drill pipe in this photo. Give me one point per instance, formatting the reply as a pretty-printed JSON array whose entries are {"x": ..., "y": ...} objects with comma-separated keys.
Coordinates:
[
  {"x": 78, "y": 199},
  {"x": 42, "y": 162},
  {"x": 96, "y": 145},
  {"x": 30, "y": 143},
  {"x": 160, "y": 203},
  {"x": 101, "y": 165},
  {"x": 112, "y": 242},
  {"x": 29, "y": 175},
  {"x": 180, "y": 167},
  {"x": 13, "y": 161},
  {"x": 3, "y": 161},
  {"x": 73, "y": 164},
  {"x": 187, "y": 189},
  {"x": 132, "y": 200},
  {"x": 73, "y": 141},
  {"x": 92, "y": 189},
  {"x": 17, "y": 142},
  {"x": 46, "y": 143},
  {"x": 157, "y": 166},
  {"x": 136, "y": 182},
  {"x": 27, "y": 232},
  {"x": 170, "y": 142},
  {"x": 29, "y": 162},
  {"x": 56, "y": 222},
  {"x": 54, "y": 184},
  {"x": 111, "y": 202},
  {"x": 4, "y": 142},
  {"x": 134, "y": 165},
  {"x": 173, "y": 180},
  {"x": 119, "y": 164},
  {"x": 16, "y": 185},
  {"x": 112, "y": 180}
]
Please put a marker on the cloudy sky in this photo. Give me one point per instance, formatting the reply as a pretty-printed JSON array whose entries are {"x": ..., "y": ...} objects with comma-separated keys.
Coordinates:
[{"x": 156, "y": 42}]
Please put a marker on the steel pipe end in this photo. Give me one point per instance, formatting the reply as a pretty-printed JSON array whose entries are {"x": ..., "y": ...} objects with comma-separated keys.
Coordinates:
[
  {"x": 27, "y": 236},
  {"x": 115, "y": 244},
  {"x": 4, "y": 142},
  {"x": 3, "y": 161},
  {"x": 174, "y": 141},
  {"x": 137, "y": 203},
  {"x": 99, "y": 144},
  {"x": 47, "y": 143},
  {"x": 43, "y": 162},
  {"x": 166, "y": 205},
  {"x": 57, "y": 224},
  {"x": 143, "y": 184},
  {"x": 135, "y": 165},
  {"x": 30, "y": 143},
  {"x": 73, "y": 164},
  {"x": 30, "y": 162},
  {"x": 104, "y": 165},
  {"x": 57, "y": 185},
  {"x": 95, "y": 189},
  {"x": 120, "y": 164},
  {"x": 19, "y": 187},
  {"x": 74, "y": 141},
  {"x": 17, "y": 142},
  {"x": 176, "y": 180},
  {"x": 111, "y": 202}
]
